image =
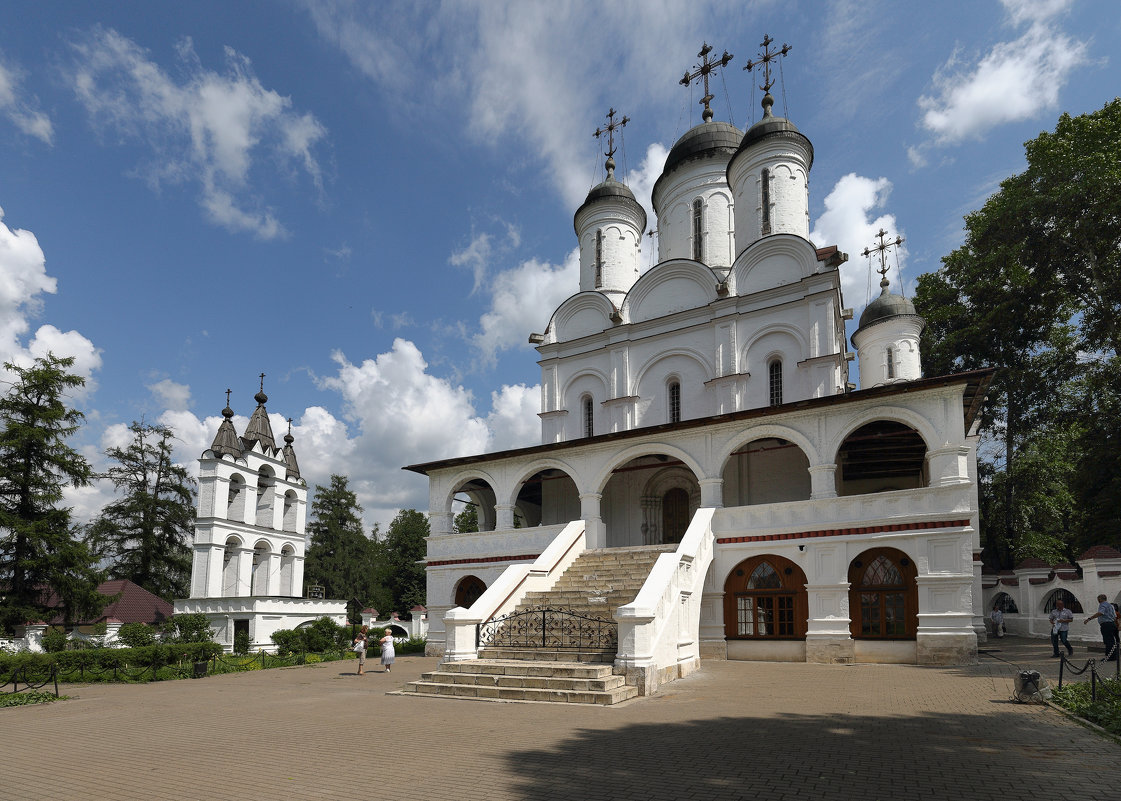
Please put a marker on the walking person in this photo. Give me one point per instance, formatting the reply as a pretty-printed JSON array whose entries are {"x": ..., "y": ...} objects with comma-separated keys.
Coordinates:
[
  {"x": 1060, "y": 618},
  {"x": 1107, "y": 619},
  {"x": 361, "y": 640},
  {"x": 387, "y": 654}
]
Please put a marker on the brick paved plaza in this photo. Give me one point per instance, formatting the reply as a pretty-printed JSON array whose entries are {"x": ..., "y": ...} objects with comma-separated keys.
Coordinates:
[{"x": 735, "y": 730}]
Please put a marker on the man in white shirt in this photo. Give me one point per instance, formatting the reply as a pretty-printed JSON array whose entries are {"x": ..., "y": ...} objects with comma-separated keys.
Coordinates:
[{"x": 1060, "y": 618}]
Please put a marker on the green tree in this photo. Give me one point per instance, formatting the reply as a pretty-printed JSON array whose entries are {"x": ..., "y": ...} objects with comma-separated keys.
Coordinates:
[
  {"x": 188, "y": 627},
  {"x": 146, "y": 534},
  {"x": 340, "y": 556},
  {"x": 38, "y": 553},
  {"x": 467, "y": 520},
  {"x": 400, "y": 559},
  {"x": 1035, "y": 290}
]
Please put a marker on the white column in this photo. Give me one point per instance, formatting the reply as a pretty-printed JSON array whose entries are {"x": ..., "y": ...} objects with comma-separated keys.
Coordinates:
[
  {"x": 244, "y": 587},
  {"x": 594, "y": 532},
  {"x": 712, "y": 492},
  {"x": 823, "y": 482},
  {"x": 504, "y": 517}
]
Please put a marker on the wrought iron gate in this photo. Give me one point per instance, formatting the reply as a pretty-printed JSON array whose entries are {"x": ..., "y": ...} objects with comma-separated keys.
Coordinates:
[{"x": 548, "y": 627}]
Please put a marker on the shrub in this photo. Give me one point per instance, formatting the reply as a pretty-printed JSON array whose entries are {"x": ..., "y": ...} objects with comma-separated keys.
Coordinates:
[
  {"x": 288, "y": 641},
  {"x": 241, "y": 642},
  {"x": 325, "y": 635},
  {"x": 194, "y": 627},
  {"x": 136, "y": 635},
  {"x": 54, "y": 640}
]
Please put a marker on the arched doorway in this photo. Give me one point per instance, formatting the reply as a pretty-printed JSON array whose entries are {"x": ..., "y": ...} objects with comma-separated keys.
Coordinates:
[
  {"x": 883, "y": 595},
  {"x": 765, "y": 599},
  {"x": 649, "y": 500},
  {"x": 881, "y": 456},
  {"x": 468, "y": 591}
]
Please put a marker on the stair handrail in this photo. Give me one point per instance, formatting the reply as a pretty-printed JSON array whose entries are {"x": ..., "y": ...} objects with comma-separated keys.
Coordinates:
[
  {"x": 659, "y": 629},
  {"x": 508, "y": 590}
]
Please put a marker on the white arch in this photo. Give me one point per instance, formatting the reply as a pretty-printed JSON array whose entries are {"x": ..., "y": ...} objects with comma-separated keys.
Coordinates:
[
  {"x": 690, "y": 353},
  {"x": 895, "y": 414},
  {"x": 646, "y": 449},
  {"x": 793, "y": 331},
  {"x": 580, "y": 315},
  {"x": 767, "y": 431},
  {"x": 585, "y": 372},
  {"x": 549, "y": 463}
]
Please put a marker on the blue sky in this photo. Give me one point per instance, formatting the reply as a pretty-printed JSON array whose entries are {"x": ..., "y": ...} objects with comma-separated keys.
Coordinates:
[{"x": 372, "y": 202}]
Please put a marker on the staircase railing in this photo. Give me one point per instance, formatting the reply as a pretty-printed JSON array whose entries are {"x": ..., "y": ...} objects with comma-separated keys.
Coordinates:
[
  {"x": 504, "y": 595},
  {"x": 659, "y": 632}
]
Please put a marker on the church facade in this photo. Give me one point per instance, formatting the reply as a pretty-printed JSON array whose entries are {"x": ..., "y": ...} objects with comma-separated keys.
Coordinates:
[{"x": 703, "y": 409}]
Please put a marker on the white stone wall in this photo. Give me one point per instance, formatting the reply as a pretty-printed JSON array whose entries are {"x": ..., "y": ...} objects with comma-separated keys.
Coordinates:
[
  {"x": 700, "y": 179},
  {"x": 900, "y": 337},
  {"x": 788, "y": 160}
]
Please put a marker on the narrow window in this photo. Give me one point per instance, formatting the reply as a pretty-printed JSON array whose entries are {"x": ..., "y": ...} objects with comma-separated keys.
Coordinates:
[
  {"x": 698, "y": 240},
  {"x": 599, "y": 258},
  {"x": 675, "y": 402},
  {"x": 588, "y": 419},
  {"x": 890, "y": 363},
  {"x": 766, "y": 201},
  {"x": 776, "y": 382}
]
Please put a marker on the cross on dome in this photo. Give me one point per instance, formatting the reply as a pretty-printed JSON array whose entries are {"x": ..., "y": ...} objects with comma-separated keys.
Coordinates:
[
  {"x": 765, "y": 58},
  {"x": 610, "y": 129},
  {"x": 882, "y": 248},
  {"x": 703, "y": 70}
]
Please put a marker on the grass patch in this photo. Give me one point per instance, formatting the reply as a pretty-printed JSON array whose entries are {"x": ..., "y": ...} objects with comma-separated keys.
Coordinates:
[
  {"x": 28, "y": 698},
  {"x": 1104, "y": 712}
]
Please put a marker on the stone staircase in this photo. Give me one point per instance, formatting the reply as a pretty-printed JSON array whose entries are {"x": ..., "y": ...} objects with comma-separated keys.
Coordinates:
[{"x": 568, "y": 666}]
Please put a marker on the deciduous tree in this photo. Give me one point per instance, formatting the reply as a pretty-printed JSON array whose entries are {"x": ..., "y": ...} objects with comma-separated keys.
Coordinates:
[{"x": 340, "y": 556}]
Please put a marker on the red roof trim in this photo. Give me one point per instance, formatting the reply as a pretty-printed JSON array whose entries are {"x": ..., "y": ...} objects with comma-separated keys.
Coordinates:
[
  {"x": 842, "y": 532},
  {"x": 483, "y": 560}
]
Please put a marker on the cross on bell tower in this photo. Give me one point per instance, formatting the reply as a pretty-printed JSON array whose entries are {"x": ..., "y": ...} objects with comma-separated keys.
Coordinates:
[
  {"x": 610, "y": 129},
  {"x": 764, "y": 59},
  {"x": 703, "y": 70}
]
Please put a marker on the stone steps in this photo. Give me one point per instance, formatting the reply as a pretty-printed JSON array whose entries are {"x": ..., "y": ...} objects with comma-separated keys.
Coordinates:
[{"x": 515, "y": 680}]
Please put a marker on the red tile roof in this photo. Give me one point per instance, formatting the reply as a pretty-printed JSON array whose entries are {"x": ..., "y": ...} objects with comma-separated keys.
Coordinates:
[
  {"x": 135, "y": 604},
  {"x": 1101, "y": 552}
]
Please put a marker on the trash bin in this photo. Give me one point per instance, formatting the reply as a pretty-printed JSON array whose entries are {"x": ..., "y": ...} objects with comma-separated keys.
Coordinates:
[
  {"x": 1028, "y": 686},
  {"x": 199, "y": 671}
]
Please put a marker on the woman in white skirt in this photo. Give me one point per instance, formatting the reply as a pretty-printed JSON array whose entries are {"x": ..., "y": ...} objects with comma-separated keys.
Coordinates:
[{"x": 387, "y": 654}]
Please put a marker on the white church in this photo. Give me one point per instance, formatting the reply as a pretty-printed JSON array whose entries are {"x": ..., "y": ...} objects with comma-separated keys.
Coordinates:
[
  {"x": 709, "y": 482},
  {"x": 248, "y": 569}
]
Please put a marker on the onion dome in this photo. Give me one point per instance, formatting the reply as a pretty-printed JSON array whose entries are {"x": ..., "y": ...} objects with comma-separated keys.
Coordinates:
[
  {"x": 226, "y": 442},
  {"x": 611, "y": 189},
  {"x": 771, "y": 126},
  {"x": 707, "y": 139},
  {"x": 259, "y": 428},
  {"x": 884, "y": 307}
]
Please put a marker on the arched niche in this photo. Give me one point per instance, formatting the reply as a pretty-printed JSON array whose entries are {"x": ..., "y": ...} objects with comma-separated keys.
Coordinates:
[
  {"x": 546, "y": 498},
  {"x": 767, "y": 470},
  {"x": 230, "y": 562},
  {"x": 290, "y": 507},
  {"x": 649, "y": 500},
  {"x": 881, "y": 456},
  {"x": 883, "y": 595},
  {"x": 287, "y": 570},
  {"x": 235, "y": 498},
  {"x": 765, "y": 598},
  {"x": 260, "y": 569},
  {"x": 478, "y": 493},
  {"x": 265, "y": 483}
]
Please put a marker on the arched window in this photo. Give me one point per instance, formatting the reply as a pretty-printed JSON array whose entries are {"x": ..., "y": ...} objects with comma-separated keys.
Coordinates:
[
  {"x": 765, "y": 598},
  {"x": 698, "y": 230},
  {"x": 468, "y": 591},
  {"x": 675, "y": 402},
  {"x": 235, "y": 505},
  {"x": 1069, "y": 601},
  {"x": 599, "y": 258},
  {"x": 883, "y": 599},
  {"x": 774, "y": 373},
  {"x": 589, "y": 419},
  {"x": 766, "y": 193},
  {"x": 890, "y": 363}
]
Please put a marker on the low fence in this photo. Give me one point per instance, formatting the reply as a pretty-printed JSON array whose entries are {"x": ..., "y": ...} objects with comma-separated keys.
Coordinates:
[
  {"x": 548, "y": 627},
  {"x": 1096, "y": 676}
]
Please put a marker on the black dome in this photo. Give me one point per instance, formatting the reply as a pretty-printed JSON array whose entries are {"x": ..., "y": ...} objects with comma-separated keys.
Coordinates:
[
  {"x": 885, "y": 306},
  {"x": 708, "y": 137},
  {"x": 774, "y": 126}
]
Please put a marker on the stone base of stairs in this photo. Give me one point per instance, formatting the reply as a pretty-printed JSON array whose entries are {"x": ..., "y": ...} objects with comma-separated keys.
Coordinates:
[{"x": 521, "y": 680}]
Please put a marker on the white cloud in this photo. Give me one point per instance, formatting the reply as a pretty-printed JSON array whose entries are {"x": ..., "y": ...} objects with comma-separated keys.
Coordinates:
[
  {"x": 172, "y": 395},
  {"x": 479, "y": 254},
  {"x": 641, "y": 183},
  {"x": 23, "y": 279},
  {"x": 1016, "y": 80},
  {"x": 521, "y": 300},
  {"x": 513, "y": 419},
  {"x": 506, "y": 68},
  {"x": 20, "y": 110},
  {"x": 205, "y": 126},
  {"x": 847, "y": 222}
]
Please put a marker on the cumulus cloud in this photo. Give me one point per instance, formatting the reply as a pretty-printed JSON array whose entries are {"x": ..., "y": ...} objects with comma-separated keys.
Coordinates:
[
  {"x": 20, "y": 110},
  {"x": 1016, "y": 80},
  {"x": 171, "y": 395},
  {"x": 201, "y": 126},
  {"x": 850, "y": 222},
  {"x": 521, "y": 300},
  {"x": 505, "y": 68},
  {"x": 641, "y": 182},
  {"x": 23, "y": 281}
]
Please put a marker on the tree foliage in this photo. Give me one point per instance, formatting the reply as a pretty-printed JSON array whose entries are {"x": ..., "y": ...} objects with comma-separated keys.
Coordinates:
[
  {"x": 340, "y": 556},
  {"x": 38, "y": 554},
  {"x": 1035, "y": 290},
  {"x": 146, "y": 533},
  {"x": 400, "y": 559}
]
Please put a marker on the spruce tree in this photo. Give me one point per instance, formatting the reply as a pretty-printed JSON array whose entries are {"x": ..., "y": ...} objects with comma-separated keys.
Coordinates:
[
  {"x": 340, "y": 556},
  {"x": 38, "y": 554},
  {"x": 146, "y": 533}
]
